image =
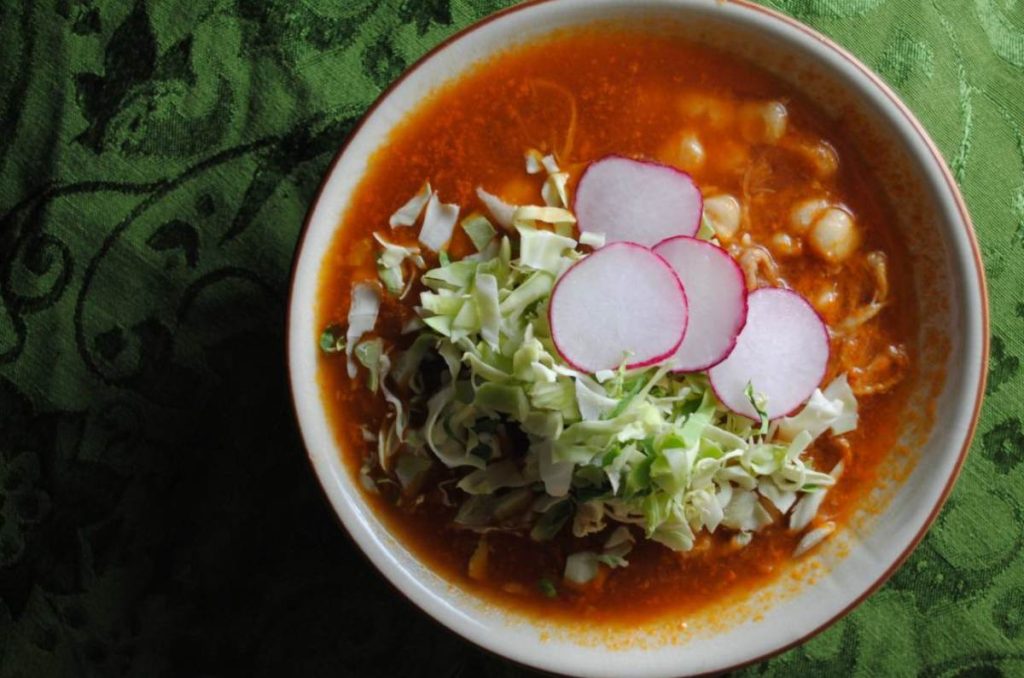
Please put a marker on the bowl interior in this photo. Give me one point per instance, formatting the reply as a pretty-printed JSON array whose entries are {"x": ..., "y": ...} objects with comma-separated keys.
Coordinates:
[{"x": 951, "y": 348}]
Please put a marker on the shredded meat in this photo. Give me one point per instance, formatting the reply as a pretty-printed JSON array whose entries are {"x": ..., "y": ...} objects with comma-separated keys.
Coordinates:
[
  {"x": 874, "y": 364},
  {"x": 755, "y": 180},
  {"x": 757, "y": 264},
  {"x": 878, "y": 267},
  {"x": 565, "y": 152},
  {"x": 845, "y": 450},
  {"x": 881, "y": 374}
]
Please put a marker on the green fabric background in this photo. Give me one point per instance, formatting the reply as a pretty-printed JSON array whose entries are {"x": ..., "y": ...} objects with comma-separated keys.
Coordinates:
[{"x": 157, "y": 514}]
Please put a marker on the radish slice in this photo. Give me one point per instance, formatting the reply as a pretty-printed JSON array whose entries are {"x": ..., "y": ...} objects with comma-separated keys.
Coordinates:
[
  {"x": 717, "y": 294},
  {"x": 633, "y": 201},
  {"x": 621, "y": 300},
  {"x": 782, "y": 351}
]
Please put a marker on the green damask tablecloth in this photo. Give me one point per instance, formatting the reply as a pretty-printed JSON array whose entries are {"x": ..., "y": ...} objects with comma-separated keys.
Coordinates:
[{"x": 158, "y": 515}]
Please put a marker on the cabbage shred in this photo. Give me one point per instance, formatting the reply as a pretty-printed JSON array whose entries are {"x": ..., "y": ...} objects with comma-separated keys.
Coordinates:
[{"x": 538, "y": 447}]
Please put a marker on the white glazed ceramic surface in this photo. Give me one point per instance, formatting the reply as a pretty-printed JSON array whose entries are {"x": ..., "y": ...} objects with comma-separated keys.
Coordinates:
[{"x": 933, "y": 220}]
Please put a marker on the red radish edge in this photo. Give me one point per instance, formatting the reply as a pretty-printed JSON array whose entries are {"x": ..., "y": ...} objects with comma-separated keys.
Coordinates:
[
  {"x": 824, "y": 368},
  {"x": 741, "y": 319},
  {"x": 644, "y": 363},
  {"x": 688, "y": 231}
]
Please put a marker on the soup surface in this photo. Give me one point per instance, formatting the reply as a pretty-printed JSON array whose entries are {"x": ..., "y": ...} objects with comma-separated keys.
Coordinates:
[{"x": 790, "y": 200}]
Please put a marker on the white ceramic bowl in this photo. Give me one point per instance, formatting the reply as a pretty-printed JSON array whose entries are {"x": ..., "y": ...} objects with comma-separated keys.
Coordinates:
[{"x": 952, "y": 347}]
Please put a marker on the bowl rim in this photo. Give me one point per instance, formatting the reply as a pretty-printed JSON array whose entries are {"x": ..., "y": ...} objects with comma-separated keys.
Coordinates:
[{"x": 890, "y": 96}]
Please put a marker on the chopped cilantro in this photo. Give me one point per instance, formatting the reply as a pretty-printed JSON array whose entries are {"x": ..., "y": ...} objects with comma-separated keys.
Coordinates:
[
  {"x": 758, "y": 402},
  {"x": 547, "y": 588},
  {"x": 332, "y": 340}
]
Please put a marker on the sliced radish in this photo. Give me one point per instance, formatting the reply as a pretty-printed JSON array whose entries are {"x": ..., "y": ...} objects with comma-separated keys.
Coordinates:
[
  {"x": 717, "y": 295},
  {"x": 622, "y": 300},
  {"x": 782, "y": 352},
  {"x": 634, "y": 201}
]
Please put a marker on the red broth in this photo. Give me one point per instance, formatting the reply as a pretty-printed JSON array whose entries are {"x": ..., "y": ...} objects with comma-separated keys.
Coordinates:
[{"x": 584, "y": 95}]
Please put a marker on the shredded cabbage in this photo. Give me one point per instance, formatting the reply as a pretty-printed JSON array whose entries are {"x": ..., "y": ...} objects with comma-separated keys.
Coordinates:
[
  {"x": 537, "y": 446},
  {"x": 534, "y": 161},
  {"x": 591, "y": 399},
  {"x": 530, "y": 215},
  {"x": 368, "y": 353},
  {"x": 582, "y": 567},
  {"x": 501, "y": 211},
  {"x": 438, "y": 223},
  {"x": 658, "y": 447},
  {"x": 479, "y": 230},
  {"x": 410, "y": 212},
  {"x": 834, "y": 408},
  {"x": 543, "y": 250},
  {"x": 390, "y": 263},
  {"x": 814, "y": 537},
  {"x": 807, "y": 507},
  {"x": 592, "y": 239},
  {"x": 362, "y": 317}
]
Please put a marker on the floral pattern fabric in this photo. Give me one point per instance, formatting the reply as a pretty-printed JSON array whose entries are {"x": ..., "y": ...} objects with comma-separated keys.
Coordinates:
[{"x": 157, "y": 513}]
